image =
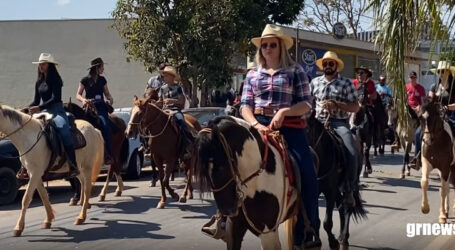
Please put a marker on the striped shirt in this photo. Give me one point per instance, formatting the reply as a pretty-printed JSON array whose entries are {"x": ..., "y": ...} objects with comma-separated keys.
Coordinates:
[
  {"x": 284, "y": 88},
  {"x": 339, "y": 89}
]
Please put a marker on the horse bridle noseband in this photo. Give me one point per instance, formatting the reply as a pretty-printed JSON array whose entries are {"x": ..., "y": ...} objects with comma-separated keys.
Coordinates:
[{"x": 143, "y": 131}]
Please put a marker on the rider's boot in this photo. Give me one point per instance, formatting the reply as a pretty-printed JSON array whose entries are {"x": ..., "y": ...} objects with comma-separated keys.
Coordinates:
[{"x": 73, "y": 169}]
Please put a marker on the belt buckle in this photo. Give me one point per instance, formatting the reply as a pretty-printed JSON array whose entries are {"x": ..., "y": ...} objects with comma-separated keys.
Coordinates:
[{"x": 262, "y": 111}]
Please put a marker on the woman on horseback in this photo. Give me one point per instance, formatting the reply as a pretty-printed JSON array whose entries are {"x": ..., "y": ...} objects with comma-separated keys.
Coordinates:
[
  {"x": 48, "y": 88},
  {"x": 95, "y": 87},
  {"x": 273, "y": 92}
]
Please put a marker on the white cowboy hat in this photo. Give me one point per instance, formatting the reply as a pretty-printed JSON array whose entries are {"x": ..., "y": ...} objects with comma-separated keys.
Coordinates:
[
  {"x": 444, "y": 65},
  {"x": 332, "y": 56},
  {"x": 46, "y": 58},
  {"x": 271, "y": 30},
  {"x": 171, "y": 71}
]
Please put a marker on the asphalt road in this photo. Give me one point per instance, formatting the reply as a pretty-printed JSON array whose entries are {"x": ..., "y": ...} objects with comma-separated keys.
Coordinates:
[{"x": 133, "y": 222}]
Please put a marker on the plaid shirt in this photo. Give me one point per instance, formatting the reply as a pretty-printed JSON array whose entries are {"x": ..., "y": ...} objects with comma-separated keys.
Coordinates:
[
  {"x": 284, "y": 88},
  {"x": 339, "y": 89}
]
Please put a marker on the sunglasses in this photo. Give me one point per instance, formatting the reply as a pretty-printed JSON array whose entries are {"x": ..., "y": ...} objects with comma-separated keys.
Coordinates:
[
  {"x": 330, "y": 64},
  {"x": 270, "y": 45},
  {"x": 361, "y": 72},
  {"x": 412, "y": 76}
]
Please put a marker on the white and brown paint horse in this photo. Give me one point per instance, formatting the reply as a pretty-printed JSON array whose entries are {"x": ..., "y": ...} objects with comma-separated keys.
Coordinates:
[
  {"x": 438, "y": 152},
  {"x": 249, "y": 189},
  {"x": 26, "y": 133}
]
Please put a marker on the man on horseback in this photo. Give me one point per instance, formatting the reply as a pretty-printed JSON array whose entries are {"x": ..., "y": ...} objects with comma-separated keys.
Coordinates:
[
  {"x": 365, "y": 86},
  {"x": 155, "y": 82},
  {"x": 171, "y": 98},
  {"x": 383, "y": 90},
  {"x": 95, "y": 87},
  {"x": 335, "y": 97}
]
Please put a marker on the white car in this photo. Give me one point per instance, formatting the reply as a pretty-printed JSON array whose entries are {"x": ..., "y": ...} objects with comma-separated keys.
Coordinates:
[{"x": 135, "y": 163}]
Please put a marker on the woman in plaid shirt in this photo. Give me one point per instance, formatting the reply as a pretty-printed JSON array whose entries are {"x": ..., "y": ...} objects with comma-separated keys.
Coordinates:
[{"x": 276, "y": 90}]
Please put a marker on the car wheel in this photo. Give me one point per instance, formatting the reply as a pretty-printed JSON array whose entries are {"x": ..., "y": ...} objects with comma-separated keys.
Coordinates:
[
  {"x": 135, "y": 166},
  {"x": 8, "y": 185}
]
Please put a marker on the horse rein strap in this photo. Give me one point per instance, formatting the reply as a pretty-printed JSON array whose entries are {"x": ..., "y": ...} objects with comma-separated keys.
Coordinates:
[{"x": 16, "y": 130}]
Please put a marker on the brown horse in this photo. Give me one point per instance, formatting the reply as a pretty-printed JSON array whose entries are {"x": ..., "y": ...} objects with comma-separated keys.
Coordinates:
[
  {"x": 159, "y": 126},
  {"x": 119, "y": 145},
  {"x": 438, "y": 152}
]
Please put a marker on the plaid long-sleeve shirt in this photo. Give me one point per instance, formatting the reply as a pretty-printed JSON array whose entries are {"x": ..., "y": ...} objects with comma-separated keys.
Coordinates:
[{"x": 284, "y": 88}]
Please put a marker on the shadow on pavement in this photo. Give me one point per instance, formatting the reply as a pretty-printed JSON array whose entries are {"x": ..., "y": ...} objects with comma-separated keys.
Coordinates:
[
  {"x": 375, "y": 248},
  {"x": 111, "y": 229},
  {"x": 138, "y": 205},
  {"x": 207, "y": 210}
]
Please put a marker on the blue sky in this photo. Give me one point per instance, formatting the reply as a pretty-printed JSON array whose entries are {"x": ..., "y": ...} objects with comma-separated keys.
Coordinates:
[{"x": 55, "y": 9}]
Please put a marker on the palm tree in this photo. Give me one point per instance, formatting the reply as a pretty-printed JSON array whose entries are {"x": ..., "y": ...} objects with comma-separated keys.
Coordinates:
[{"x": 401, "y": 25}]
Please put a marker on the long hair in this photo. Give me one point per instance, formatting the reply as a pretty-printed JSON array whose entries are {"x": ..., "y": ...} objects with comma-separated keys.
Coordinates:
[
  {"x": 52, "y": 75},
  {"x": 285, "y": 57}
]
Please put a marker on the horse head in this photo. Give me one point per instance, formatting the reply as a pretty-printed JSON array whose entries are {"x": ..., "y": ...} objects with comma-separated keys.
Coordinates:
[
  {"x": 151, "y": 94},
  {"x": 83, "y": 114},
  {"x": 142, "y": 114},
  {"x": 431, "y": 114},
  {"x": 225, "y": 149}
]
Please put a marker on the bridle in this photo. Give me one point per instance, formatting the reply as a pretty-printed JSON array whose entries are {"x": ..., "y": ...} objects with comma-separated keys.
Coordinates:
[{"x": 143, "y": 131}]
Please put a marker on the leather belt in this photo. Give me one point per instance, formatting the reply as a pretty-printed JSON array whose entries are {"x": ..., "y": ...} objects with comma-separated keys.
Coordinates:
[{"x": 265, "y": 111}]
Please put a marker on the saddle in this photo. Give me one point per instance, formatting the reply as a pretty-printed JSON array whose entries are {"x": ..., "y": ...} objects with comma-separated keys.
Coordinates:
[{"x": 55, "y": 143}]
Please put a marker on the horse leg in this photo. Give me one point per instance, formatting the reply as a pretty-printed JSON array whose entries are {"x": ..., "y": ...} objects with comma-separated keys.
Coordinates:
[
  {"x": 405, "y": 163},
  {"x": 106, "y": 184},
  {"x": 444, "y": 191},
  {"x": 344, "y": 236},
  {"x": 118, "y": 176},
  {"x": 86, "y": 190},
  {"x": 366, "y": 154},
  {"x": 328, "y": 220},
  {"x": 270, "y": 241},
  {"x": 170, "y": 166},
  {"x": 235, "y": 231},
  {"x": 47, "y": 205},
  {"x": 26, "y": 199},
  {"x": 426, "y": 169},
  {"x": 159, "y": 164},
  {"x": 76, "y": 187}
]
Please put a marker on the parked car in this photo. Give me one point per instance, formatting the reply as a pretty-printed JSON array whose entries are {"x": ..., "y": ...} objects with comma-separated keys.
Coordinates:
[
  {"x": 9, "y": 165},
  {"x": 205, "y": 114},
  {"x": 135, "y": 163}
]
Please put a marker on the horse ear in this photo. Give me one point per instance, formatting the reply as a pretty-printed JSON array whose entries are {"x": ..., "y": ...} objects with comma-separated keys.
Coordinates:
[
  {"x": 135, "y": 98},
  {"x": 69, "y": 100}
]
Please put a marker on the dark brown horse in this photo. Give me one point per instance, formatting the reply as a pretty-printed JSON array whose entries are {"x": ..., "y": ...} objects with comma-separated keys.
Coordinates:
[
  {"x": 120, "y": 145},
  {"x": 150, "y": 121}
]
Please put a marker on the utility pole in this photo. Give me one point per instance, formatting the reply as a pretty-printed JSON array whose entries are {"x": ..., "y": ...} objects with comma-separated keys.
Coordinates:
[{"x": 297, "y": 44}]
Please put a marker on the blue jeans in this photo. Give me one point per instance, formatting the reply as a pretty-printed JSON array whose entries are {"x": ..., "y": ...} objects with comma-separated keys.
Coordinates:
[
  {"x": 299, "y": 148},
  {"x": 418, "y": 140},
  {"x": 352, "y": 155},
  {"x": 180, "y": 120},
  {"x": 62, "y": 124},
  {"x": 105, "y": 126}
]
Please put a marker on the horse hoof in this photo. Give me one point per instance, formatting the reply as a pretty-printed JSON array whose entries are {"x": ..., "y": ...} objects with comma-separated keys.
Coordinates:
[
  {"x": 425, "y": 209},
  {"x": 402, "y": 176},
  {"x": 175, "y": 197},
  {"x": 189, "y": 197},
  {"x": 370, "y": 170},
  {"x": 46, "y": 225},
  {"x": 102, "y": 198},
  {"x": 118, "y": 193},
  {"x": 73, "y": 202},
  {"x": 365, "y": 174},
  {"x": 161, "y": 205},
  {"x": 408, "y": 173},
  {"x": 344, "y": 247},
  {"x": 442, "y": 220},
  {"x": 17, "y": 233},
  {"x": 334, "y": 245},
  {"x": 182, "y": 200},
  {"x": 79, "y": 221}
]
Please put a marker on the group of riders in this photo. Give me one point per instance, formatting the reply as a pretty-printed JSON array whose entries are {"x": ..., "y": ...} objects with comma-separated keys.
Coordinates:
[{"x": 274, "y": 91}]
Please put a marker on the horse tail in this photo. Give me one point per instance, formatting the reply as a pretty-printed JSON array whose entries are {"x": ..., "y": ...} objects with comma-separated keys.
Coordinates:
[
  {"x": 289, "y": 232},
  {"x": 204, "y": 147},
  {"x": 358, "y": 211},
  {"x": 124, "y": 151}
]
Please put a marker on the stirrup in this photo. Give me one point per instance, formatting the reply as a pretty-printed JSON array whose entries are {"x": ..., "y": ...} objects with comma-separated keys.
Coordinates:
[{"x": 217, "y": 232}]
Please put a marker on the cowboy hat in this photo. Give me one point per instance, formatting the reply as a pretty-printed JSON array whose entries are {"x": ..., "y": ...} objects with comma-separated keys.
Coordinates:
[
  {"x": 369, "y": 72},
  {"x": 444, "y": 65},
  {"x": 95, "y": 62},
  {"x": 330, "y": 55},
  {"x": 171, "y": 71},
  {"x": 271, "y": 30},
  {"x": 46, "y": 58}
]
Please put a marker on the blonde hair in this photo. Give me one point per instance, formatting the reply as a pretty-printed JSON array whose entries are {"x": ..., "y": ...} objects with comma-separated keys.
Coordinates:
[{"x": 285, "y": 58}]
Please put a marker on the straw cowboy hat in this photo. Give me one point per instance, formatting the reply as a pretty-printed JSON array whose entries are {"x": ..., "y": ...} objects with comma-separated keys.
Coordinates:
[
  {"x": 332, "y": 56},
  {"x": 171, "y": 71},
  {"x": 95, "y": 62},
  {"x": 271, "y": 30},
  {"x": 364, "y": 68},
  {"x": 46, "y": 58},
  {"x": 444, "y": 65}
]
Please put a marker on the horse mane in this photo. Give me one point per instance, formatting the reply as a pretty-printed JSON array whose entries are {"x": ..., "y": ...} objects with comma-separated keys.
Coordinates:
[{"x": 12, "y": 114}]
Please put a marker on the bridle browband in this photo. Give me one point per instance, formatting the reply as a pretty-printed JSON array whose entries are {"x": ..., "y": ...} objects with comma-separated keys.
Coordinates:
[{"x": 143, "y": 130}]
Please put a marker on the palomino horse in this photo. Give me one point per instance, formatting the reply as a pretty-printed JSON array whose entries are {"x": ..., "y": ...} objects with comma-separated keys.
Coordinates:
[
  {"x": 406, "y": 137},
  {"x": 159, "y": 126},
  {"x": 26, "y": 133},
  {"x": 332, "y": 176},
  {"x": 249, "y": 185},
  {"x": 438, "y": 152},
  {"x": 119, "y": 143}
]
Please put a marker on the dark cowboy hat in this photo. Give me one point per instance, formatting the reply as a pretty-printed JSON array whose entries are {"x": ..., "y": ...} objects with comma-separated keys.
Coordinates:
[
  {"x": 369, "y": 72},
  {"x": 95, "y": 62}
]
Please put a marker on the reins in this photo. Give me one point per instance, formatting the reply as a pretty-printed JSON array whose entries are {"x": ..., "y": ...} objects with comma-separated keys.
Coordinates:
[{"x": 143, "y": 131}]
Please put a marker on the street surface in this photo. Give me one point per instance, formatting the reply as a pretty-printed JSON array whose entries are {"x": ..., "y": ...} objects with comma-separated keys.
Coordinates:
[{"x": 133, "y": 222}]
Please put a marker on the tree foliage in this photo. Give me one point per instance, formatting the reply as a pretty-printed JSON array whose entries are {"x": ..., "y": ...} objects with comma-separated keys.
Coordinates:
[{"x": 199, "y": 37}]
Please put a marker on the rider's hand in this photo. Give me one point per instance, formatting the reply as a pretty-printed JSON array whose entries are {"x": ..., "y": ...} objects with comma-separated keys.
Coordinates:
[
  {"x": 86, "y": 102},
  {"x": 330, "y": 105},
  {"x": 262, "y": 129},
  {"x": 277, "y": 120},
  {"x": 34, "y": 109}
]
